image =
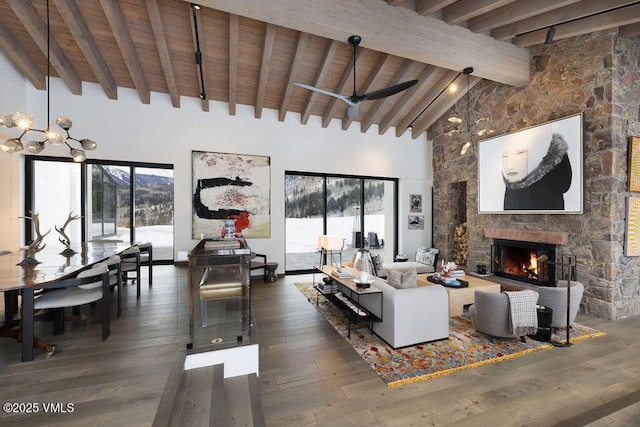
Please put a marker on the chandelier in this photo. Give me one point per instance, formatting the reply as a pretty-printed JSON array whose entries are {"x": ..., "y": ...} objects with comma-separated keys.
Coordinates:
[
  {"x": 33, "y": 140},
  {"x": 477, "y": 127}
]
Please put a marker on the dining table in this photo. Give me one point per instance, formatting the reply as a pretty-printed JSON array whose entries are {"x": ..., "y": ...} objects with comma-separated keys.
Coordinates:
[{"x": 47, "y": 269}]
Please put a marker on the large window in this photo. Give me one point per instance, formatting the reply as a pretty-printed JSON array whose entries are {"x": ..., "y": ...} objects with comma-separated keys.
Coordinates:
[
  {"x": 361, "y": 210},
  {"x": 132, "y": 202}
]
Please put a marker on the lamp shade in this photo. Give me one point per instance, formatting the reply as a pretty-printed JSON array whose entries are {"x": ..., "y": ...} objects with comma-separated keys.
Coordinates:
[{"x": 330, "y": 243}]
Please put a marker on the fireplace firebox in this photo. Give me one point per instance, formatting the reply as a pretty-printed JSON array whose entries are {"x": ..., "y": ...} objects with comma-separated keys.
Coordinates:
[{"x": 528, "y": 262}]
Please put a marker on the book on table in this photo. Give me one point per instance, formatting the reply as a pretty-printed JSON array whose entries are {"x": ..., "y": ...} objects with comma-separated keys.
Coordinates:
[
  {"x": 457, "y": 273},
  {"x": 341, "y": 274}
]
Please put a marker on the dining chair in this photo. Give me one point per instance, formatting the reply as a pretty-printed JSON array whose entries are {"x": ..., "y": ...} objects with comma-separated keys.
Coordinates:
[
  {"x": 130, "y": 262},
  {"x": 86, "y": 287},
  {"x": 113, "y": 263},
  {"x": 146, "y": 258}
]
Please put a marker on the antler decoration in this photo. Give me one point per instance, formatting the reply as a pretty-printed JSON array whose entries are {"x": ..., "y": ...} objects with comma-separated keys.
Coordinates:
[
  {"x": 65, "y": 240},
  {"x": 36, "y": 245}
]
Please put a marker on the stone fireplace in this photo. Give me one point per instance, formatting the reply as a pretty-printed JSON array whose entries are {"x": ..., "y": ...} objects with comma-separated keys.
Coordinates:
[
  {"x": 529, "y": 262},
  {"x": 589, "y": 75}
]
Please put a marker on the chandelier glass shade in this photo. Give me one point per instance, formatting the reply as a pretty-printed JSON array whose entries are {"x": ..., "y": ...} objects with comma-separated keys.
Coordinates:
[{"x": 33, "y": 140}]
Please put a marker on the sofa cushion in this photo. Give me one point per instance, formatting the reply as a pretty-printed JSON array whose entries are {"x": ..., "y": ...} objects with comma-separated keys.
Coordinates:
[{"x": 402, "y": 280}]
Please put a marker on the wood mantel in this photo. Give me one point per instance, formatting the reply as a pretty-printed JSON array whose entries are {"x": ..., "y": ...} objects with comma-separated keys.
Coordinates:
[{"x": 551, "y": 237}]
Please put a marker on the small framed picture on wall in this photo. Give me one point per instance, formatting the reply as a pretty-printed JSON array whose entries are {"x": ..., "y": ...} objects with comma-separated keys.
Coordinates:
[
  {"x": 416, "y": 222},
  {"x": 415, "y": 203}
]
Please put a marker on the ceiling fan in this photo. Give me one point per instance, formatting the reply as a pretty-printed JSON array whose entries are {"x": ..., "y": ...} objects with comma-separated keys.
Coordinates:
[{"x": 355, "y": 99}]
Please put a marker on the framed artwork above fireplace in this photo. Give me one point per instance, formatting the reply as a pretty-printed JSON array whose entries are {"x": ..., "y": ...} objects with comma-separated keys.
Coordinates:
[{"x": 537, "y": 170}]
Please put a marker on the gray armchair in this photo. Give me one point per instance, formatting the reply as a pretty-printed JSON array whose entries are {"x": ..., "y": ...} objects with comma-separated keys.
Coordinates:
[
  {"x": 556, "y": 299},
  {"x": 490, "y": 315}
]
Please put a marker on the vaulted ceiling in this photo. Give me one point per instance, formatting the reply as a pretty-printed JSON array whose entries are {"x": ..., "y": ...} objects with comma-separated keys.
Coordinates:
[{"x": 251, "y": 51}]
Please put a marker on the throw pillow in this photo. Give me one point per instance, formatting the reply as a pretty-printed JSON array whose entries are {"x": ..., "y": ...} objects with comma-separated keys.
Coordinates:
[
  {"x": 400, "y": 280},
  {"x": 425, "y": 256}
]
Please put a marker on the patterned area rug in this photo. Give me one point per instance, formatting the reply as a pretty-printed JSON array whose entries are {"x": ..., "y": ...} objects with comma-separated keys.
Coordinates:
[{"x": 466, "y": 348}]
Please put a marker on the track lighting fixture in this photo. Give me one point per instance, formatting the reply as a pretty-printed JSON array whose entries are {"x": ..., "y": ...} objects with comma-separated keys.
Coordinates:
[
  {"x": 550, "y": 33},
  {"x": 203, "y": 94}
]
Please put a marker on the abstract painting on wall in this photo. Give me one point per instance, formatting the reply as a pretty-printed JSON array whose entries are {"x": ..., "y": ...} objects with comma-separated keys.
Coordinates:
[
  {"x": 632, "y": 241},
  {"x": 634, "y": 163},
  {"x": 230, "y": 186}
]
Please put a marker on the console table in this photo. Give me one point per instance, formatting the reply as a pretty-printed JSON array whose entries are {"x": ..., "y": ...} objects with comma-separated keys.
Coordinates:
[{"x": 349, "y": 304}]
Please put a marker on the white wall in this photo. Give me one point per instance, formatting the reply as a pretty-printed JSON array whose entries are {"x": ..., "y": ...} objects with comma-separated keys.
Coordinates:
[
  {"x": 128, "y": 130},
  {"x": 13, "y": 97}
]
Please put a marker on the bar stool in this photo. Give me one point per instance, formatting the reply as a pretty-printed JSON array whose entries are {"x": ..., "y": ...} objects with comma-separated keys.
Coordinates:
[{"x": 146, "y": 258}]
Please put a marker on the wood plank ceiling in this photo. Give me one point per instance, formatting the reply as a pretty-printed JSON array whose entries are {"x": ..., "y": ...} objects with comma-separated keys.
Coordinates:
[{"x": 251, "y": 51}]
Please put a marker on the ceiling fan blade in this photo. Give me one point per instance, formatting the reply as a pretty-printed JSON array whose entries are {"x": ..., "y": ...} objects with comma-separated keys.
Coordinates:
[
  {"x": 352, "y": 111},
  {"x": 325, "y": 92},
  {"x": 388, "y": 91}
]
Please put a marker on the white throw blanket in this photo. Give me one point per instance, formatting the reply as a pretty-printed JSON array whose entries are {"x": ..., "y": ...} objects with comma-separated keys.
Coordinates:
[{"x": 523, "y": 315}]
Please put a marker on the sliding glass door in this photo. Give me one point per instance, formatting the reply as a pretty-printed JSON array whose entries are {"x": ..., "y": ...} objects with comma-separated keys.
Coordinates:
[
  {"x": 360, "y": 210},
  {"x": 113, "y": 201}
]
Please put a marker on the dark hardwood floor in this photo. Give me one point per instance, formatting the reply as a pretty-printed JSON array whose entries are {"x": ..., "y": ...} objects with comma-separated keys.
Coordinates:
[{"x": 310, "y": 375}]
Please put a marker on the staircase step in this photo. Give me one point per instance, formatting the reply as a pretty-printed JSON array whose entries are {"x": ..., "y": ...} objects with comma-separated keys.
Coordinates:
[{"x": 202, "y": 396}]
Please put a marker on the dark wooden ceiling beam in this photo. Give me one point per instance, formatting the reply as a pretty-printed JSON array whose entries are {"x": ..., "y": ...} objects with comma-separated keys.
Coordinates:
[
  {"x": 347, "y": 76},
  {"x": 37, "y": 29},
  {"x": 160, "y": 36},
  {"x": 568, "y": 13},
  {"x": 373, "y": 76},
  {"x": 425, "y": 79},
  {"x": 234, "y": 37},
  {"x": 514, "y": 12},
  {"x": 401, "y": 75},
  {"x": 301, "y": 46},
  {"x": 604, "y": 21},
  {"x": 18, "y": 55},
  {"x": 327, "y": 60},
  {"x": 121, "y": 33},
  {"x": 78, "y": 27},
  {"x": 267, "y": 50}
]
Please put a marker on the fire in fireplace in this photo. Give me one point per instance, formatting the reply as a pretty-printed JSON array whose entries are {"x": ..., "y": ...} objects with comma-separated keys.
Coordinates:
[{"x": 524, "y": 261}]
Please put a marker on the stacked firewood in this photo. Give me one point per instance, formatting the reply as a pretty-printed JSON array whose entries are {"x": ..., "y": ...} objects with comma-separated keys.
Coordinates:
[{"x": 460, "y": 244}]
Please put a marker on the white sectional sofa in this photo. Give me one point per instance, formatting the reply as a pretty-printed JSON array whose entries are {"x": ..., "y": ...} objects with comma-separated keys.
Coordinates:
[{"x": 409, "y": 316}]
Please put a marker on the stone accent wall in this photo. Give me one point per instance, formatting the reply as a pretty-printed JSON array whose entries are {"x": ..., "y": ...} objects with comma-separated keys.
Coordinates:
[{"x": 596, "y": 75}]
